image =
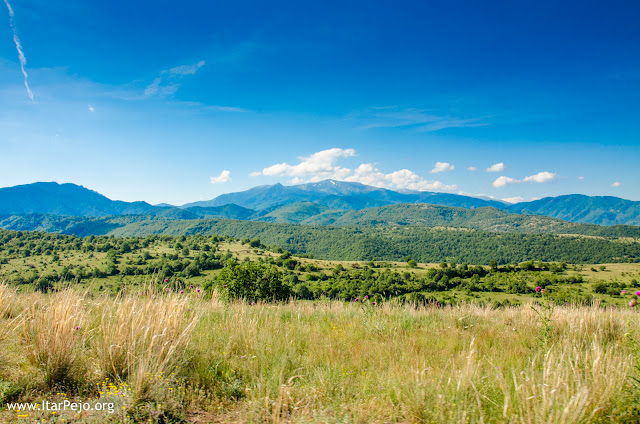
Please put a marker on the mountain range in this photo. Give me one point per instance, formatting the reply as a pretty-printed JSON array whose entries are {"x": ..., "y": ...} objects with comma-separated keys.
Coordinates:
[{"x": 328, "y": 202}]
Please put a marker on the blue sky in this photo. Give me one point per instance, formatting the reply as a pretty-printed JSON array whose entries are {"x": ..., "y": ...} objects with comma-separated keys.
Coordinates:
[{"x": 178, "y": 102}]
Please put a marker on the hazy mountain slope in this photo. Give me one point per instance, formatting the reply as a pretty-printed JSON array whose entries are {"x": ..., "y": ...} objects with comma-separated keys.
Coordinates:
[
  {"x": 602, "y": 210},
  {"x": 64, "y": 199},
  {"x": 294, "y": 213},
  {"x": 262, "y": 202},
  {"x": 260, "y": 197},
  {"x": 231, "y": 211},
  {"x": 337, "y": 195}
]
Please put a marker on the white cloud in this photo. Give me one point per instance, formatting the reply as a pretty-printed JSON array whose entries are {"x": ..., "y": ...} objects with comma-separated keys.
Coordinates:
[
  {"x": 503, "y": 181},
  {"x": 226, "y": 108},
  {"x": 542, "y": 177},
  {"x": 496, "y": 167},
  {"x": 442, "y": 167},
  {"x": 403, "y": 179},
  {"x": 421, "y": 119},
  {"x": 222, "y": 178},
  {"x": 472, "y": 169},
  {"x": 186, "y": 69},
  {"x": 581, "y": 178},
  {"x": 91, "y": 109},
  {"x": 322, "y": 165},
  {"x": 167, "y": 83},
  {"x": 516, "y": 199},
  {"x": 616, "y": 184},
  {"x": 21, "y": 56}
]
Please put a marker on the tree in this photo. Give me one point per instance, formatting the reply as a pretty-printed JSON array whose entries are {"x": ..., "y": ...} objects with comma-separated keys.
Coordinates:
[{"x": 252, "y": 281}]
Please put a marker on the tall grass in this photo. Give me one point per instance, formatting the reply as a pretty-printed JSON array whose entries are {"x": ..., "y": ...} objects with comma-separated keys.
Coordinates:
[
  {"x": 139, "y": 338},
  {"x": 169, "y": 357}
]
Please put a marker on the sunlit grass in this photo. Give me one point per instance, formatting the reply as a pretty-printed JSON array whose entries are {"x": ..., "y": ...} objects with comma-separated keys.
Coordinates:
[{"x": 170, "y": 357}]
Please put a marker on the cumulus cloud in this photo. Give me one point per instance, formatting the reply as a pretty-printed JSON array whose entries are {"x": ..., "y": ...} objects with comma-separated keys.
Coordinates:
[
  {"x": 542, "y": 177},
  {"x": 496, "y": 167},
  {"x": 503, "y": 181},
  {"x": 21, "y": 57},
  {"x": 616, "y": 184},
  {"x": 323, "y": 165},
  {"x": 91, "y": 109},
  {"x": 403, "y": 179},
  {"x": 472, "y": 169},
  {"x": 516, "y": 199},
  {"x": 581, "y": 178},
  {"x": 168, "y": 82},
  {"x": 442, "y": 167},
  {"x": 318, "y": 164},
  {"x": 222, "y": 178}
]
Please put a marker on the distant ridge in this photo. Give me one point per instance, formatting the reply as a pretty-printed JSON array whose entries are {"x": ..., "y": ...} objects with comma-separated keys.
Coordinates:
[
  {"x": 64, "y": 199},
  {"x": 304, "y": 203},
  {"x": 338, "y": 195},
  {"x": 602, "y": 210}
]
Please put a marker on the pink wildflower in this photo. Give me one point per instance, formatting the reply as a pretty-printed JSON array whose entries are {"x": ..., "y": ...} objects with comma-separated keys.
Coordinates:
[{"x": 538, "y": 289}]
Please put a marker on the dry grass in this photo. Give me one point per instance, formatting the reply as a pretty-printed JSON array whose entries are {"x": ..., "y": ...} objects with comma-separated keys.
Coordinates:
[{"x": 170, "y": 358}]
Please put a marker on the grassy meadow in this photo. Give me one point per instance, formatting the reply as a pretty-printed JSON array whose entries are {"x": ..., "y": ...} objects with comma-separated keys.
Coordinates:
[{"x": 170, "y": 357}]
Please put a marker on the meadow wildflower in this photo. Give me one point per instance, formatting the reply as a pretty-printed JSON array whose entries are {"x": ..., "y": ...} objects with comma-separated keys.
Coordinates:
[
  {"x": 538, "y": 289},
  {"x": 638, "y": 293}
]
